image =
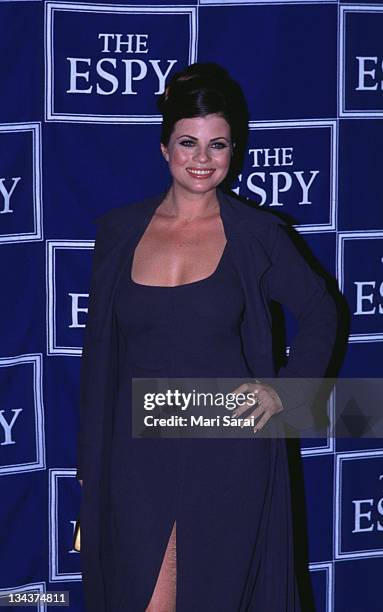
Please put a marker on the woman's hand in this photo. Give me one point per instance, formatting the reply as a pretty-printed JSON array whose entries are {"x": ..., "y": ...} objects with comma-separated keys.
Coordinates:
[
  {"x": 269, "y": 402},
  {"x": 80, "y": 481}
]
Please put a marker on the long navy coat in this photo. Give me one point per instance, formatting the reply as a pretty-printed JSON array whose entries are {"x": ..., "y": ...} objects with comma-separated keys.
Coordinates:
[{"x": 270, "y": 268}]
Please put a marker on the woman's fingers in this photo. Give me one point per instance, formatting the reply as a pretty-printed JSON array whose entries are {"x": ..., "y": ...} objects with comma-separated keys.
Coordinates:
[
  {"x": 250, "y": 389},
  {"x": 267, "y": 400},
  {"x": 257, "y": 412},
  {"x": 243, "y": 388}
]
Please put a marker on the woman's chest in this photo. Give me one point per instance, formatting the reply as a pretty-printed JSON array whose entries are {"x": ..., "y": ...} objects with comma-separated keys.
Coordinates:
[{"x": 173, "y": 255}]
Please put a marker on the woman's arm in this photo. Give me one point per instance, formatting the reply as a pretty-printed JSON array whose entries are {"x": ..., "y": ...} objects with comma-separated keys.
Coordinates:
[{"x": 292, "y": 282}]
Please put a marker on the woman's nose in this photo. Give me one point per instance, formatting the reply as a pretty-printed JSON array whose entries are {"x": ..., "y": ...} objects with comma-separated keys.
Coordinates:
[{"x": 202, "y": 154}]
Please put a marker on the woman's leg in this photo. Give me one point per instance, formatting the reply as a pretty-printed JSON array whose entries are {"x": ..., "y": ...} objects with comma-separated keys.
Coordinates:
[{"x": 164, "y": 594}]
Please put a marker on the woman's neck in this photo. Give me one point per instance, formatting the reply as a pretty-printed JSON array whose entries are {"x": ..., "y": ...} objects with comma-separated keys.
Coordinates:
[{"x": 187, "y": 206}]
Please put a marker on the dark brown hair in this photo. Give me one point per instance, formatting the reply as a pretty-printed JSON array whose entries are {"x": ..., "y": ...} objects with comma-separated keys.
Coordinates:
[{"x": 202, "y": 89}]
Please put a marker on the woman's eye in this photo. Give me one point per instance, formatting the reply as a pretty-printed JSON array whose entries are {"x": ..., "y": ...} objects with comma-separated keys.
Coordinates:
[
  {"x": 215, "y": 145},
  {"x": 186, "y": 143}
]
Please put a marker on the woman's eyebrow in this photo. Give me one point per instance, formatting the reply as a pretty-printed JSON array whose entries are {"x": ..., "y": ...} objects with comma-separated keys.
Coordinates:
[{"x": 194, "y": 138}]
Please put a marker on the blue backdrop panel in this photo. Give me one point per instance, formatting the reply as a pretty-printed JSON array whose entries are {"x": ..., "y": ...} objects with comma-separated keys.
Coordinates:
[
  {"x": 360, "y": 195},
  {"x": 79, "y": 134},
  {"x": 284, "y": 55},
  {"x": 291, "y": 167}
]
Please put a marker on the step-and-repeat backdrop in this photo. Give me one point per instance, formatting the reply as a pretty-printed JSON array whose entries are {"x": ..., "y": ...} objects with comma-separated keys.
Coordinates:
[{"x": 79, "y": 134}]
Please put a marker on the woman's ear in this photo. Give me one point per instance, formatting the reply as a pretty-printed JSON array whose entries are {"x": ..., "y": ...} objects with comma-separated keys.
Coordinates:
[{"x": 164, "y": 152}]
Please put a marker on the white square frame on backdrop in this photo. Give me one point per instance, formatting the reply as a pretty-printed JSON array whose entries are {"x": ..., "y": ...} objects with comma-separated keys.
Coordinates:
[
  {"x": 328, "y": 568},
  {"x": 37, "y": 203},
  {"x": 52, "y": 246},
  {"x": 29, "y": 587},
  {"x": 341, "y": 458},
  {"x": 342, "y": 237},
  {"x": 55, "y": 475},
  {"x": 331, "y": 225},
  {"x": 36, "y": 362},
  {"x": 52, "y": 7},
  {"x": 344, "y": 10}
]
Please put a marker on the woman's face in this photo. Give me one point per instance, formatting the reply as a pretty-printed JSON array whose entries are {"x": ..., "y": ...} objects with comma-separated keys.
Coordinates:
[{"x": 199, "y": 152}]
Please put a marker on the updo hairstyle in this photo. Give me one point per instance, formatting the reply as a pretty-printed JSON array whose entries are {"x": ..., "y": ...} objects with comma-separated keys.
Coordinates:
[{"x": 202, "y": 89}]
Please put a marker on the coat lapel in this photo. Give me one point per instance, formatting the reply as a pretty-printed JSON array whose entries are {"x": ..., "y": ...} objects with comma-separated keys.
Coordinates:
[
  {"x": 243, "y": 229},
  {"x": 124, "y": 238}
]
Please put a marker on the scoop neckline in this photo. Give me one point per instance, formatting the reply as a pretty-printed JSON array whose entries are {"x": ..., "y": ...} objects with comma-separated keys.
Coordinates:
[{"x": 192, "y": 283}]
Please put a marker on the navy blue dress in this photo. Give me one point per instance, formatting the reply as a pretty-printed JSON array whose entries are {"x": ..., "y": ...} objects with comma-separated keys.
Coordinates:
[{"x": 230, "y": 498}]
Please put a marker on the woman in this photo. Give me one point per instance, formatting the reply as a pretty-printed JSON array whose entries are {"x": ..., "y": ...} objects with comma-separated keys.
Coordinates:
[{"x": 181, "y": 287}]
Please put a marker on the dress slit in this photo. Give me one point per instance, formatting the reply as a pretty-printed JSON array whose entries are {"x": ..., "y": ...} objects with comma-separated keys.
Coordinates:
[{"x": 164, "y": 595}]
